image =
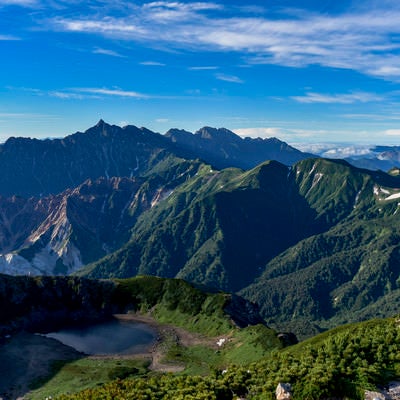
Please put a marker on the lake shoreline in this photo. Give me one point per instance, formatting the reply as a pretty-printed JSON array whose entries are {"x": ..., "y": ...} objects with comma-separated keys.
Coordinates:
[{"x": 26, "y": 358}]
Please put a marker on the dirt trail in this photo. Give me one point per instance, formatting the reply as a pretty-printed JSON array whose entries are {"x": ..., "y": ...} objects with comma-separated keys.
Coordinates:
[{"x": 166, "y": 332}]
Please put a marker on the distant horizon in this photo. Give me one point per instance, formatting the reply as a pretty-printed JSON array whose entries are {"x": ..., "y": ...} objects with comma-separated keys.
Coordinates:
[{"x": 307, "y": 71}]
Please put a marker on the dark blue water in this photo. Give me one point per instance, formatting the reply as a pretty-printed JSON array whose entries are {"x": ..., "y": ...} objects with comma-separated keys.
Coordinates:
[{"x": 113, "y": 337}]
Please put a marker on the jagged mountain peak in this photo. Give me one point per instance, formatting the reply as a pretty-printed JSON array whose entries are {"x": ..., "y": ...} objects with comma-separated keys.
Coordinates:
[
  {"x": 173, "y": 133},
  {"x": 101, "y": 123},
  {"x": 217, "y": 134}
]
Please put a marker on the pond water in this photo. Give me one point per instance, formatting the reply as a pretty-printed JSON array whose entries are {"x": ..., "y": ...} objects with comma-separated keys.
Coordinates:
[{"x": 112, "y": 337}]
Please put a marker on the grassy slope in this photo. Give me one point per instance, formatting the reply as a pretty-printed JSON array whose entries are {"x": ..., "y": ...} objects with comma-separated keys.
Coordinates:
[
  {"x": 84, "y": 374},
  {"x": 340, "y": 363},
  {"x": 173, "y": 302},
  {"x": 346, "y": 272},
  {"x": 320, "y": 246}
]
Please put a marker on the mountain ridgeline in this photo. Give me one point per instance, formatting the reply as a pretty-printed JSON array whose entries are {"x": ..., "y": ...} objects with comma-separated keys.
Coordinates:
[
  {"x": 45, "y": 303},
  {"x": 32, "y": 167},
  {"x": 317, "y": 242},
  {"x": 67, "y": 202},
  {"x": 314, "y": 242}
]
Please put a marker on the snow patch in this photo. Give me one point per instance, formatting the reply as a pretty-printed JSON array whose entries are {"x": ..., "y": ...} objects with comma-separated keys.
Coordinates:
[
  {"x": 137, "y": 164},
  {"x": 316, "y": 179},
  {"x": 312, "y": 169},
  {"x": 393, "y": 196},
  {"x": 160, "y": 195},
  {"x": 356, "y": 199},
  {"x": 378, "y": 191}
]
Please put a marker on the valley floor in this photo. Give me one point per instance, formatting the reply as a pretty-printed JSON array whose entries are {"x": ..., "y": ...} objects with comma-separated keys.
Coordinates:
[{"x": 27, "y": 360}]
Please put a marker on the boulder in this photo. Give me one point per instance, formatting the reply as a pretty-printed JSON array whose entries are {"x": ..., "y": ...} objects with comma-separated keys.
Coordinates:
[{"x": 283, "y": 391}]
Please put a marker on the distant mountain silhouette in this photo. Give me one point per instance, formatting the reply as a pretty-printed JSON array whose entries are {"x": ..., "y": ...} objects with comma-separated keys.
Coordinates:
[{"x": 32, "y": 167}]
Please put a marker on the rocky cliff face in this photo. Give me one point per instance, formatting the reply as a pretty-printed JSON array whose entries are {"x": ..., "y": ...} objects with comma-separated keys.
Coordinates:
[{"x": 58, "y": 234}]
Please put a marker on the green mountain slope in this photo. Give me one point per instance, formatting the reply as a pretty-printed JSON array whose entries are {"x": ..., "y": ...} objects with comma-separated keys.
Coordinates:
[
  {"x": 314, "y": 245},
  {"x": 216, "y": 229},
  {"x": 45, "y": 304},
  {"x": 341, "y": 274},
  {"x": 58, "y": 234},
  {"x": 341, "y": 363}
]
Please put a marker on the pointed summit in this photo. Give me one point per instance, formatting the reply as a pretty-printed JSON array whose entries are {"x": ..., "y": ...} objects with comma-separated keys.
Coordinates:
[{"x": 100, "y": 123}]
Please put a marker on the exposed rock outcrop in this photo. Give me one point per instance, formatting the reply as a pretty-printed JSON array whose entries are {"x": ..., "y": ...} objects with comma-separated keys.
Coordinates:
[{"x": 283, "y": 391}]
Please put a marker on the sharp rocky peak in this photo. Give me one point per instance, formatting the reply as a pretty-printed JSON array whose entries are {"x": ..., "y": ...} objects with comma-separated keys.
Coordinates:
[{"x": 217, "y": 133}]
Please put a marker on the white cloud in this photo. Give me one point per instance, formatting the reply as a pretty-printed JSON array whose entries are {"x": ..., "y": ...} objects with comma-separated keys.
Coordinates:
[
  {"x": 205, "y": 68},
  {"x": 87, "y": 93},
  {"x": 64, "y": 95},
  {"x": 392, "y": 132},
  {"x": 229, "y": 78},
  {"x": 8, "y": 37},
  {"x": 22, "y": 3},
  {"x": 152, "y": 64},
  {"x": 260, "y": 132},
  {"x": 107, "y": 52},
  {"x": 347, "y": 98},
  {"x": 22, "y": 115},
  {"x": 111, "y": 92},
  {"x": 363, "y": 40},
  {"x": 314, "y": 140},
  {"x": 347, "y": 151},
  {"x": 386, "y": 71}
]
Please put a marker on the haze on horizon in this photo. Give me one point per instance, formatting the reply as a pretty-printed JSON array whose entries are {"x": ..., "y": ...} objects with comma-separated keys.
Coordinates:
[{"x": 304, "y": 71}]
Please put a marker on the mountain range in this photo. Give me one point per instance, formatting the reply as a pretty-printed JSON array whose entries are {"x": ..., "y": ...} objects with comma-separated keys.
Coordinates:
[
  {"x": 32, "y": 167},
  {"x": 315, "y": 242}
]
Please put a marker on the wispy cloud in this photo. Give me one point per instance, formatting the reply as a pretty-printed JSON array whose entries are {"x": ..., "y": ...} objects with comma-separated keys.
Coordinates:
[
  {"x": 392, "y": 132},
  {"x": 306, "y": 139},
  {"x": 8, "y": 37},
  {"x": 347, "y": 98},
  {"x": 111, "y": 92},
  {"x": 23, "y": 115},
  {"x": 152, "y": 63},
  {"x": 229, "y": 78},
  {"x": 363, "y": 40},
  {"x": 373, "y": 117},
  {"x": 107, "y": 52},
  {"x": 84, "y": 93},
  {"x": 22, "y": 3},
  {"x": 205, "y": 68}
]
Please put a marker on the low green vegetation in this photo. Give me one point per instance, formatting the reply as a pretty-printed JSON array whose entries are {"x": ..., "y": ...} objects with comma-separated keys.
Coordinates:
[
  {"x": 84, "y": 374},
  {"x": 338, "y": 364},
  {"x": 175, "y": 301},
  {"x": 240, "y": 347},
  {"x": 348, "y": 274},
  {"x": 315, "y": 245}
]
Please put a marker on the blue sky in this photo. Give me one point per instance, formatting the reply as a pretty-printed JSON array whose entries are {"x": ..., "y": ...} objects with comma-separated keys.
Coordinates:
[{"x": 303, "y": 71}]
